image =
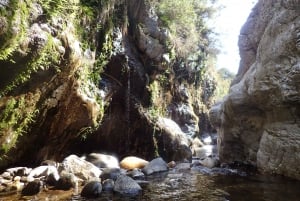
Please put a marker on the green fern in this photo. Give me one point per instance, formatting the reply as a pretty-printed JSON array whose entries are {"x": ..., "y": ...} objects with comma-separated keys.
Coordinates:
[
  {"x": 15, "y": 119},
  {"x": 18, "y": 19}
]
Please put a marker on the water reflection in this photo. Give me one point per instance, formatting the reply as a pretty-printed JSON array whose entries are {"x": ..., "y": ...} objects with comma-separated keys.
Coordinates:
[
  {"x": 189, "y": 186},
  {"x": 259, "y": 188},
  {"x": 222, "y": 188}
]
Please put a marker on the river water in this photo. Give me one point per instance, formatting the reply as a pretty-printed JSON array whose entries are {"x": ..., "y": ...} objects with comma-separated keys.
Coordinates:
[
  {"x": 193, "y": 187},
  {"x": 193, "y": 184},
  {"x": 189, "y": 185}
]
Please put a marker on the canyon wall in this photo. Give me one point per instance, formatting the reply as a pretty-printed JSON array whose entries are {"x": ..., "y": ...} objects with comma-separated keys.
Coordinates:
[
  {"x": 94, "y": 76},
  {"x": 259, "y": 121}
]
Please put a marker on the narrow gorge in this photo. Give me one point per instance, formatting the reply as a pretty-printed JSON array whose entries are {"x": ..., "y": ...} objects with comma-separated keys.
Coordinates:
[{"x": 134, "y": 82}]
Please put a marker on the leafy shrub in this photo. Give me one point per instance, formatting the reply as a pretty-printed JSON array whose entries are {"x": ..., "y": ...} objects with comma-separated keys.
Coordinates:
[
  {"x": 55, "y": 7},
  {"x": 223, "y": 79},
  {"x": 187, "y": 22}
]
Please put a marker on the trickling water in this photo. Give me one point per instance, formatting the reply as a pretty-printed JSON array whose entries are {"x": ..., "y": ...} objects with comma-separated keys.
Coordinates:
[{"x": 128, "y": 92}]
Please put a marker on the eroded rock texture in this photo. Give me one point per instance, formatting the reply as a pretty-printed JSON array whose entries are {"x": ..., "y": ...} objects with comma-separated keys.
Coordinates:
[
  {"x": 259, "y": 121},
  {"x": 92, "y": 76}
]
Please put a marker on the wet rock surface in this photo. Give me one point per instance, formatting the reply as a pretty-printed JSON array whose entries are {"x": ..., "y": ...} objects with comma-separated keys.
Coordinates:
[
  {"x": 110, "y": 173},
  {"x": 155, "y": 166},
  {"x": 66, "y": 176},
  {"x": 127, "y": 186},
  {"x": 108, "y": 185},
  {"x": 32, "y": 188},
  {"x": 92, "y": 189}
]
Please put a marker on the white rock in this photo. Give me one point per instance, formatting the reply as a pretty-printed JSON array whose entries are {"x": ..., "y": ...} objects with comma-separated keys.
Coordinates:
[
  {"x": 79, "y": 167},
  {"x": 42, "y": 171},
  {"x": 103, "y": 160}
]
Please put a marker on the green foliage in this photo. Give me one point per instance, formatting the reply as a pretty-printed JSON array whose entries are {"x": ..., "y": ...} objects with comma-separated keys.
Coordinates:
[
  {"x": 87, "y": 30},
  {"x": 48, "y": 57},
  {"x": 59, "y": 7},
  {"x": 15, "y": 118},
  {"x": 102, "y": 59},
  {"x": 87, "y": 26},
  {"x": 158, "y": 102},
  {"x": 16, "y": 16},
  {"x": 187, "y": 22},
  {"x": 223, "y": 79},
  {"x": 91, "y": 3},
  {"x": 225, "y": 74},
  {"x": 190, "y": 42},
  {"x": 85, "y": 132},
  {"x": 89, "y": 73}
]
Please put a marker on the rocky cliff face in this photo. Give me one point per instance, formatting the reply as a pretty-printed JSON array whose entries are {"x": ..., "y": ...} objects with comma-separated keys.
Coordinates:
[
  {"x": 258, "y": 122},
  {"x": 83, "y": 76}
]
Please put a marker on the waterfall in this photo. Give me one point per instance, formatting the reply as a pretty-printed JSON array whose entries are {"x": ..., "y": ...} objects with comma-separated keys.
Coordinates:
[{"x": 128, "y": 91}]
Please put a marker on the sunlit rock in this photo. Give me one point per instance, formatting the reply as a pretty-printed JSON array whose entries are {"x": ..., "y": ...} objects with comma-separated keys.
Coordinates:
[
  {"x": 80, "y": 167},
  {"x": 18, "y": 171},
  {"x": 42, "y": 171},
  {"x": 103, "y": 160},
  {"x": 131, "y": 162},
  {"x": 257, "y": 121}
]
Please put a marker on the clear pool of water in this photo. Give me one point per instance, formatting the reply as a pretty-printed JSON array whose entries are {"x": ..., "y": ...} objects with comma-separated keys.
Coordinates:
[{"x": 193, "y": 186}]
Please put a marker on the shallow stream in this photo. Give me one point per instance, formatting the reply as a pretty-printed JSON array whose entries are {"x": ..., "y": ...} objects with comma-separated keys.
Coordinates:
[
  {"x": 193, "y": 187},
  {"x": 183, "y": 183},
  {"x": 187, "y": 185}
]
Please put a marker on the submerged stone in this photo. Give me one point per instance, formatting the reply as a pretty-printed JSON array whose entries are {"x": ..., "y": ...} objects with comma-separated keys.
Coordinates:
[{"x": 127, "y": 186}]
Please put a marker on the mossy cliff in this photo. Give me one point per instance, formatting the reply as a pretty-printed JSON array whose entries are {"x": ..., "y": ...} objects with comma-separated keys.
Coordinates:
[{"x": 81, "y": 76}]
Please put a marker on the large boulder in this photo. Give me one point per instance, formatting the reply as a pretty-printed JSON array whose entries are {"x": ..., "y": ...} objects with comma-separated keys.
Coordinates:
[
  {"x": 173, "y": 143},
  {"x": 258, "y": 121},
  {"x": 80, "y": 167},
  {"x": 183, "y": 114}
]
